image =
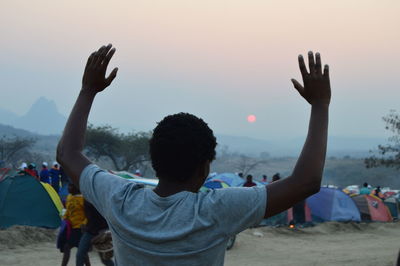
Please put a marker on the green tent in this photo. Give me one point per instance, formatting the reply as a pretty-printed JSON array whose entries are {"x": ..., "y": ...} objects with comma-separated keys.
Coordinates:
[{"x": 25, "y": 201}]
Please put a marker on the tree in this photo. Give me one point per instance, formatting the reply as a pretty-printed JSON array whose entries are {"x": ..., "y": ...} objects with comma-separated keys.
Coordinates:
[
  {"x": 246, "y": 164},
  {"x": 389, "y": 154},
  {"x": 12, "y": 147},
  {"x": 125, "y": 151},
  {"x": 135, "y": 150}
]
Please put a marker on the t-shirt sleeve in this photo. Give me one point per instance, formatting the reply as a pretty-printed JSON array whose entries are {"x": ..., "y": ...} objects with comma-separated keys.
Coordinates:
[
  {"x": 98, "y": 186},
  {"x": 236, "y": 209}
]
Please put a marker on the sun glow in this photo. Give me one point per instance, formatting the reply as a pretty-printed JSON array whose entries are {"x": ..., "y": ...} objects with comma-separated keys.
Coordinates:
[{"x": 251, "y": 118}]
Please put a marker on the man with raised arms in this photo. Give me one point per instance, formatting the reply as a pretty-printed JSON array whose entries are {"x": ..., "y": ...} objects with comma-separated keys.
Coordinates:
[{"x": 174, "y": 223}]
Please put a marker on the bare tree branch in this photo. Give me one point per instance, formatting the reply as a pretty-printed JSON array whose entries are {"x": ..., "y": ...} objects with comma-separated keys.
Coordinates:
[{"x": 388, "y": 155}]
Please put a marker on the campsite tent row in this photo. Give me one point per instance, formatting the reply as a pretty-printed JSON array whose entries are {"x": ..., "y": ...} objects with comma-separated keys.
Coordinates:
[
  {"x": 329, "y": 204},
  {"x": 26, "y": 201}
]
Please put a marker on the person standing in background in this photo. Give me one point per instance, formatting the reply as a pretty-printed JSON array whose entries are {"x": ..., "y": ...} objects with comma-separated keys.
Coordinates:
[
  {"x": 378, "y": 193},
  {"x": 276, "y": 177},
  {"x": 249, "y": 182},
  {"x": 264, "y": 179},
  {"x": 22, "y": 169},
  {"x": 75, "y": 215},
  {"x": 63, "y": 192},
  {"x": 55, "y": 177},
  {"x": 64, "y": 178},
  {"x": 44, "y": 173},
  {"x": 365, "y": 190},
  {"x": 32, "y": 171},
  {"x": 95, "y": 224}
]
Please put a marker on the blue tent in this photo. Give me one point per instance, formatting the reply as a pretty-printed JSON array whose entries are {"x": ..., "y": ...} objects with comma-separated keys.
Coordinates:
[
  {"x": 229, "y": 178},
  {"x": 214, "y": 184},
  {"x": 331, "y": 204},
  {"x": 232, "y": 180}
]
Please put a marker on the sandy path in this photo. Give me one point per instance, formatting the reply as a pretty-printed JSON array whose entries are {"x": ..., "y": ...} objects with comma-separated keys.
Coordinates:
[
  {"x": 41, "y": 254},
  {"x": 325, "y": 244}
]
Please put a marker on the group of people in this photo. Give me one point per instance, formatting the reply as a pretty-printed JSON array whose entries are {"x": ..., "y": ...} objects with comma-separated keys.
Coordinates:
[
  {"x": 82, "y": 222},
  {"x": 250, "y": 183},
  {"x": 55, "y": 176},
  {"x": 85, "y": 223},
  {"x": 367, "y": 190}
]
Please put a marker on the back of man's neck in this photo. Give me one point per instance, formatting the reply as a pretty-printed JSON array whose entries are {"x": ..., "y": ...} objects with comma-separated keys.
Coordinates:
[{"x": 168, "y": 188}]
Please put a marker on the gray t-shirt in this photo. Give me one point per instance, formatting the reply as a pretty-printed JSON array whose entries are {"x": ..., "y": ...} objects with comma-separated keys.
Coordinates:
[{"x": 183, "y": 229}]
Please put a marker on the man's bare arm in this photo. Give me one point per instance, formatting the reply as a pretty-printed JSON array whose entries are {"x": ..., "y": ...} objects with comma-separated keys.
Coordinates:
[
  {"x": 307, "y": 174},
  {"x": 70, "y": 147}
]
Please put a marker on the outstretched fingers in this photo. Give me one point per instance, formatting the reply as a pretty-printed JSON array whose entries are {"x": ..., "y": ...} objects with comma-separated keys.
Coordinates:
[
  {"x": 326, "y": 72},
  {"x": 298, "y": 86},
  {"x": 316, "y": 85},
  {"x": 108, "y": 57},
  {"x": 111, "y": 77},
  {"x": 101, "y": 55},
  {"x": 314, "y": 65},
  {"x": 96, "y": 56},
  {"x": 90, "y": 60},
  {"x": 311, "y": 63},
  {"x": 302, "y": 66},
  {"x": 318, "y": 67}
]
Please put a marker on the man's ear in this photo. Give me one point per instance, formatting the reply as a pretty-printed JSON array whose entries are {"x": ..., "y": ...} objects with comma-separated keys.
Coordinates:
[
  {"x": 206, "y": 168},
  {"x": 202, "y": 171}
]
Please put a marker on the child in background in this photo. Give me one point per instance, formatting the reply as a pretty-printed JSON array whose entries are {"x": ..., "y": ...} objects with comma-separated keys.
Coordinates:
[{"x": 75, "y": 214}]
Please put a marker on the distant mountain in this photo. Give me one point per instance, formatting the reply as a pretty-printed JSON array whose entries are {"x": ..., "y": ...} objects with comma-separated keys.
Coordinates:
[{"x": 42, "y": 118}]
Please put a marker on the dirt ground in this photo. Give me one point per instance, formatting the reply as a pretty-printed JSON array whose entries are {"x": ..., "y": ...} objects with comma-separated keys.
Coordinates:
[{"x": 324, "y": 244}]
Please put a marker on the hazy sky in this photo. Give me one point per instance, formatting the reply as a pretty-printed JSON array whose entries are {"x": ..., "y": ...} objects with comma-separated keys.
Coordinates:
[{"x": 221, "y": 60}]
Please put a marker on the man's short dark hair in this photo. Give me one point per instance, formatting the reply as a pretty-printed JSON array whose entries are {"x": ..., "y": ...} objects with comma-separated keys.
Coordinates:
[
  {"x": 180, "y": 143},
  {"x": 365, "y": 184}
]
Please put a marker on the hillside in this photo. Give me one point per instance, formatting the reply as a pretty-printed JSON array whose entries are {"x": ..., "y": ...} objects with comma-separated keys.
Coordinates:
[
  {"x": 338, "y": 146},
  {"x": 44, "y": 144},
  {"x": 44, "y": 118},
  {"x": 340, "y": 171}
]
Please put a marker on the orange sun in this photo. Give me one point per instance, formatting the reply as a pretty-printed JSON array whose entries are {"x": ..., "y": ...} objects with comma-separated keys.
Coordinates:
[{"x": 251, "y": 118}]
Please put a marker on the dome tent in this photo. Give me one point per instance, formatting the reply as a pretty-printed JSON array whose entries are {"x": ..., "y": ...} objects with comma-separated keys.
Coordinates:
[
  {"x": 328, "y": 204},
  {"x": 231, "y": 179},
  {"x": 213, "y": 184},
  {"x": 26, "y": 201},
  {"x": 331, "y": 204},
  {"x": 372, "y": 209},
  {"x": 393, "y": 205}
]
